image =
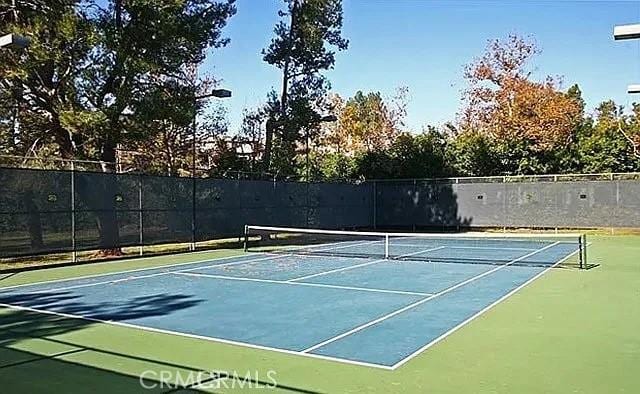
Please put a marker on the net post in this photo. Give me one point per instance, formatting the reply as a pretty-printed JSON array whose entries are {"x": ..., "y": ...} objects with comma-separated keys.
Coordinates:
[
  {"x": 580, "y": 251},
  {"x": 386, "y": 246},
  {"x": 583, "y": 258},
  {"x": 246, "y": 238}
]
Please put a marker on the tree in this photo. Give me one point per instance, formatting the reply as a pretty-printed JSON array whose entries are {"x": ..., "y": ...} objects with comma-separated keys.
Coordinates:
[
  {"x": 41, "y": 80},
  {"x": 169, "y": 150},
  {"x": 300, "y": 51},
  {"x": 99, "y": 75},
  {"x": 334, "y": 166},
  {"x": 252, "y": 133},
  {"x": 332, "y": 136},
  {"x": 528, "y": 120},
  {"x": 632, "y": 134},
  {"x": 603, "y": 147},
  {"x": 94, "y": 69},
  {"x": 472, "y": 154},
  {"x": 169, "y": 129},
  {"x": 409, "y": 156},
  {"x": 366, "y": 122},
  {"x": 420, "y": 156}
]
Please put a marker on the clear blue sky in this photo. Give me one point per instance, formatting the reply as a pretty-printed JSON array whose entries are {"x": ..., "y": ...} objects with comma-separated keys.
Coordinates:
[{"x": 425, "y": 44}]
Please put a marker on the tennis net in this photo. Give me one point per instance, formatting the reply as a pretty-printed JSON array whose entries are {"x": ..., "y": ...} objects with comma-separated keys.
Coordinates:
[{"x": 540, "y": 250}]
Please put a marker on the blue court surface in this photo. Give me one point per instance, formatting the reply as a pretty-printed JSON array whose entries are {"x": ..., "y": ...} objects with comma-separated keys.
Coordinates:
[{"x": 366, "y": 311}]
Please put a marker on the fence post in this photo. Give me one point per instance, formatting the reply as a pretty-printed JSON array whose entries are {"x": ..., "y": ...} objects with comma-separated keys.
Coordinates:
[
  {"x": 415, "y": 207},
  {"x": 74, "y": 254},
  {"x": 193, "y": 211},
  {"x": 375, "y": 205},
  {"x": 505, "y": 201},
  {"x": 140, "y": 217},
  {"x": 308, "y": 203}
]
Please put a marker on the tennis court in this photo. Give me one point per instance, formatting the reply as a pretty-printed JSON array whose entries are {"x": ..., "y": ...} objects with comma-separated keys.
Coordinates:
[{"x": 375, "y": 299}]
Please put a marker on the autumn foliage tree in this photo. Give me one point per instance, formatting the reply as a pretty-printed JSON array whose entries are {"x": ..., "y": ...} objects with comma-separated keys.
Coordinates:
[
  {"x": 366, "y": 122},
  {"x": 519, "y": 114}
]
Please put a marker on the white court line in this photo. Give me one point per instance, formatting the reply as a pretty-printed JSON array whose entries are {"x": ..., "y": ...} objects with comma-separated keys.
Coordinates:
[
  {"x": 301, "y": 250},
  {"x": 421, "y": 251},
  {"x": 456, "y": 328},
  {"x": 343, "y": 246},
  {"x": 213, "y": 339},
  {"x": 336, "y": 270},
  {"x": 360, "y": 265},
  {"x": 465, "y": 247},
  {"x": 194, "y": 336},
  {"x": 418, "y": 303},
  {"x": 126, "y": 271},
  {"x": 144, "y": 269},
  {"x": 282, "y": 282},
  {"x": 130, "y": 278}
]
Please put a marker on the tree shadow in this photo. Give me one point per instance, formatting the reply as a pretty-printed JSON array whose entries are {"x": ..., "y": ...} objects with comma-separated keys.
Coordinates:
[
  {"x": 18, "y": 367},
  {"x": 418, "y": 205},
  {"x": 59, "y": 370},
  {"x": 69, "y": 303}
]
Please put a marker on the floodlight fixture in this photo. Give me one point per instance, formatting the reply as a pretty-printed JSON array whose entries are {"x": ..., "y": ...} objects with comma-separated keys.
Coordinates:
[
  {"x": 626, "y": 32},
  {"x": 633, "y": 89},
  {"x": 14, "y": 41}
]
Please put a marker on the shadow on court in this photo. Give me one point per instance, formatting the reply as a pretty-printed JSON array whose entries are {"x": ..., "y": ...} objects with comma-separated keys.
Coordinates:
[
  {"x": 7, "y": 276},
  {"x": 36, "y": 356},
  {"x": 138, "y": 307}
]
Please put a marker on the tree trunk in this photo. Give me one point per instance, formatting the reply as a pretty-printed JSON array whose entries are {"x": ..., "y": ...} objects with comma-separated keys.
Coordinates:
[
  {"x": 107, "y": 223},
  {"x": 62, "y": 137},
  {"x": 268, "y": 142},
  {"x": 33, "y": 222},
  {"x": 271, "y": 124},
  {"x": 107, "y": 218}
]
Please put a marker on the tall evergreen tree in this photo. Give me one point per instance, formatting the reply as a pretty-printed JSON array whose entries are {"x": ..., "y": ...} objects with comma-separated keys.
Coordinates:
[{"x": 300, "y": 49}]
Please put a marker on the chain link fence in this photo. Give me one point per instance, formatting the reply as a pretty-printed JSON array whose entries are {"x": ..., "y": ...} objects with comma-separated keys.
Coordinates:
[
  {"x": 59, "y": 206},
  {"x": 51, "y": 211},
  {"x": 549, "y": 201}
]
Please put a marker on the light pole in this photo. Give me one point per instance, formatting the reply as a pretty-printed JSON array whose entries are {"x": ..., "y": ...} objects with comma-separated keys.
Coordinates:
[
  {"x": 322, "y": 119},
  {"x": 318, "y": 119},
  {"x": 628, "y": 32},
  {"x": 218, "y": 93},
  {"x": 15, "y": 42}
]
